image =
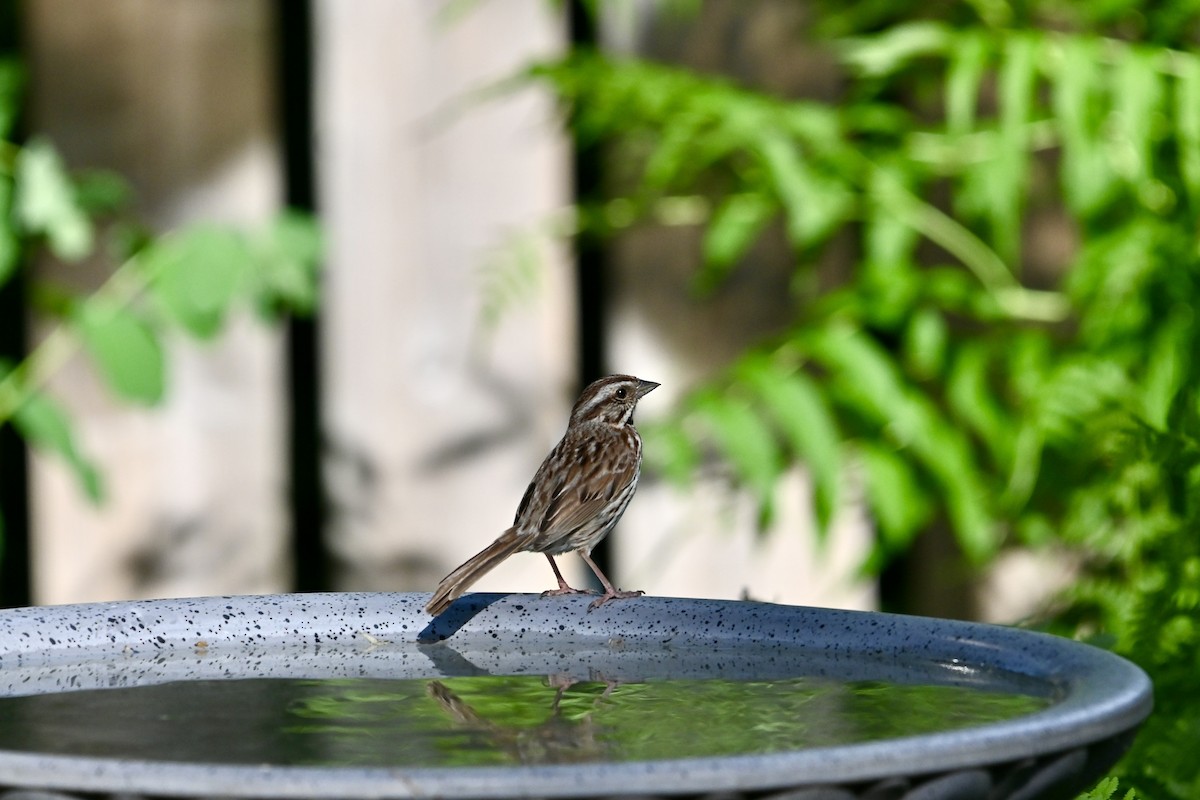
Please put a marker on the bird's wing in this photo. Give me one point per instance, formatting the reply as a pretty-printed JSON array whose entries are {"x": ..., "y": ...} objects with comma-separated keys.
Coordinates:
[{"x": 575, "y": 501}]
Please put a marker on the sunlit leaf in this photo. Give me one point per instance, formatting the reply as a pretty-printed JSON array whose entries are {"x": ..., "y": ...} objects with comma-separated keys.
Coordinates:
[
  {"x": 746, "y": 441},
  {"x": 1080, "y": 111},
  {"x": 866, "y": 376},
  {"x": 1165, "y": 368},
  {"x": 195, "y": 275},
  {"x": 1028, "y": 447},
  {"x": 124, "y": 348},
  {"x": 897, "y": 500},
  {"x": 1137, "y": 100},
  {"x": 868, "y": 379},
  {"x": 796, "y": 405},
  {"x": 674, "y": 150},
  {"x": 925, "y": 342},
  {"x": 973, "y": 399},
  {"x": 1187, "y": 120},
  {"x": 968, "y": 59},
  {"x": 45, "y": 425},
  {"x": 888, "y": 238},
  {"x": 814, "y": 204},
  {"x": 1075, "y": 391},
  {"x": 733, "y": 228},
  {"x": 46, "y": 203},
  {"x": 289, "y": 258},
  {"x": 885, "y": 53},
  {"x": 1008, "y": 177},
  {"x": 670, "y": 450}
]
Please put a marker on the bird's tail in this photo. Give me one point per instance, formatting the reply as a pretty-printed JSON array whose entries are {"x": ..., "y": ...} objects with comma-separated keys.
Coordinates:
[{"x": 457, "y": 582}]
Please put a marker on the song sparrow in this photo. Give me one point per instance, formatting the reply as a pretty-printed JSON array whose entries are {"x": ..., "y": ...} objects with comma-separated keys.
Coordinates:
[{"x": 576, "y": 496}]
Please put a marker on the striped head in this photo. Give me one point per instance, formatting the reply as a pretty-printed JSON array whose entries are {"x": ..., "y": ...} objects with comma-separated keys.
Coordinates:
[{"x": 610, "y": 400}]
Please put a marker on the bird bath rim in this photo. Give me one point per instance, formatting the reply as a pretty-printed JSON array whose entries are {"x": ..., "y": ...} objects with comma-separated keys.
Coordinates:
[{"x": 1103, "y": 697}]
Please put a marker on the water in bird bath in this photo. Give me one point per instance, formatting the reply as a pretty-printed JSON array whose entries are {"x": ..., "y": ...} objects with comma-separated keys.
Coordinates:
[{"x": 487, "y": 720}]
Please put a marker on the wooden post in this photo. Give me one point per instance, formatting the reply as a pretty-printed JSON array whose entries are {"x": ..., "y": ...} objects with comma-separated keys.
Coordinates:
[
  {"x": 177, "y": 97},
  {"x": 429, "y": 195}
]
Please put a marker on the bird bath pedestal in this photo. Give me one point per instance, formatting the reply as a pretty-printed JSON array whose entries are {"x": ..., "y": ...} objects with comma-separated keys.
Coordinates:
[{"x": 363, "y": 695}]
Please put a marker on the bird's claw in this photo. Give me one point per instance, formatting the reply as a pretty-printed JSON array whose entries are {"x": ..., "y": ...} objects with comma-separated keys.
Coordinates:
[{"x": 617, "y": 595}]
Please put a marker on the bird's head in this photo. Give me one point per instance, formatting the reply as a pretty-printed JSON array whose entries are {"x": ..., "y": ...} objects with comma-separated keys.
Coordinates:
[{"x": 611, "y": 400}]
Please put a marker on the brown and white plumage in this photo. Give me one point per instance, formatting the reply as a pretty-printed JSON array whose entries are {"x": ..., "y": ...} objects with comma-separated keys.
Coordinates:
[{"x": 577, "y": 495}]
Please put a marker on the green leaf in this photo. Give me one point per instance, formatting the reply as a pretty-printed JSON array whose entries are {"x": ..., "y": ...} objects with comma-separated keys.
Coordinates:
[
  {"x": 44, "y": 424},
  {"x": 1076, "y": 390},
  {"x": 797, "y": 406},
  {"x": 973, "y": 399},
  {"x": 1165, "y": 368},
  {"x": 124, "y": 348},
  {"x": 963, "y": 80},
  {"x": 1104, "y": 790},
  {"x": 674, "y": 150},
  {"x": 1088, "y": 181},
  {"x": 12, "y": 80},
  {"x": 815, "y": 204},
  {"x": 1138, "y": 93},
  {"x": 1027, "y": 449},
  {"x": 885, "y": 53},
  {"x": 1187, "y": 124},
  {"x": 897, "y": 500},
  {"x": 46, "y": 202},
  {"x": 670, "y": 450},
  {"x": 102, "y": 191},
  {"x": 196, "y": 275},
  {"x": 866, "y": 376},
  {"x": 888, "y": 238},
  {"x": 746, "y": 441},
  {"x": 1008, "y": 176},
  {"x": 734, "y": 227},
  {"x": 289, "y": 263},
  {"x": 925, "y": 342},
  {"x": 10, "y": 246},
  {"x": 869, "y": 381}
]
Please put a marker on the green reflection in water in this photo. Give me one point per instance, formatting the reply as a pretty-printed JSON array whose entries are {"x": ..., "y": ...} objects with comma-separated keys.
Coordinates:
[{"x": 481, "y": 721}]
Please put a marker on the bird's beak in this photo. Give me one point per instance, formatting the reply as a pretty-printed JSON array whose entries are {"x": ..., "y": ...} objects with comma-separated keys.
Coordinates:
[{"x": 645, "y": 388}]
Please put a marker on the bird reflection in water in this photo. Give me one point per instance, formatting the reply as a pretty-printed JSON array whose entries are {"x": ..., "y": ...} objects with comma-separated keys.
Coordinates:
[{"x": 559, "y": 739}]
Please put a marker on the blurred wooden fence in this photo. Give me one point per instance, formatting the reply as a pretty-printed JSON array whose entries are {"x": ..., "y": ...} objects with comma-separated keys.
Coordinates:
[{"x": 429, "y": 423}]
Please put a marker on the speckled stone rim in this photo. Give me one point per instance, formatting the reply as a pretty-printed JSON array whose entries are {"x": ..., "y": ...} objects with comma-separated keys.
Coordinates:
[{"x": 1100, "y": 696}]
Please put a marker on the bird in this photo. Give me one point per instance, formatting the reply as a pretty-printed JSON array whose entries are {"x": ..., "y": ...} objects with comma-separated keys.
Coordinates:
[{"x": 576, "y": 496}]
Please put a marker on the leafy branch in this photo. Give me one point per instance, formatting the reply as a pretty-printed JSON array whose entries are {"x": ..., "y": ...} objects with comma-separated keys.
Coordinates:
[
  {"x": 943, "y": 373},
  {"x": 968, "y": 384},
  {"x": 188, "y": 281}
]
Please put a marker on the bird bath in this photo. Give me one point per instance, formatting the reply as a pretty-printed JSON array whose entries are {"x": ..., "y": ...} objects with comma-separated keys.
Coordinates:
[{"x": 363, "y": 695}]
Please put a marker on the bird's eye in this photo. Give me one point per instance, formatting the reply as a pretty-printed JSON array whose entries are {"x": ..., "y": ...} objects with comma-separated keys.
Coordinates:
[{"x": 621, "y": 393}]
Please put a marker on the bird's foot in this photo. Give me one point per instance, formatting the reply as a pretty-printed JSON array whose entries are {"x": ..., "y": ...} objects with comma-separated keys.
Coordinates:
[
  {"x": 563, "y": 590},
  {"x": 618, "y": 594}
]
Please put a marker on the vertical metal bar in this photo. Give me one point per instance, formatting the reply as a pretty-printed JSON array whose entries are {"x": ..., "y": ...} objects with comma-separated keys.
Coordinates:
[
  {"x": 14, "y": 469},
  {"x": 294, "y": 21}
]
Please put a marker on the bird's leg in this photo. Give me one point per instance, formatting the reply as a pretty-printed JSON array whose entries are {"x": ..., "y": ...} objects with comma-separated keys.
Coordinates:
[
  {"x": 563, "y": 586},
  {"x": 610, "y": 592}
]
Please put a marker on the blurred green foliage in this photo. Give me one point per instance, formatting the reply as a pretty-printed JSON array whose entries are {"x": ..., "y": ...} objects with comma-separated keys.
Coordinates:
[
  {"x": 965, "y": 381},
  {"x": 1140, "y": 593},
  {"x": 185, "y": 282},
  {"x": 954, "y": 374}
]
